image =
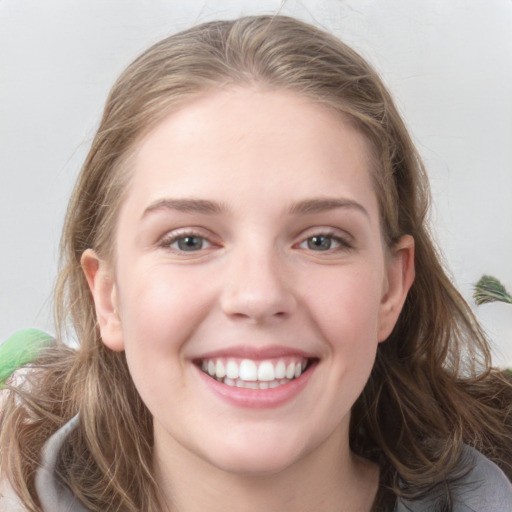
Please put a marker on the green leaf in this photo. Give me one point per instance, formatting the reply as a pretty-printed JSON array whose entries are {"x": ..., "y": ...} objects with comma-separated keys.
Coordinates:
[
  {"x": 20, "y": 349},
  {"x": 489, "y": 289}
]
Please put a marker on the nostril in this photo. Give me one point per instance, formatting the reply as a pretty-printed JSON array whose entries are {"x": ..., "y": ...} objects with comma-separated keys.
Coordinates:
[
  {"x": 259, "y": 316},
  {"x": 254, "y": 296}
]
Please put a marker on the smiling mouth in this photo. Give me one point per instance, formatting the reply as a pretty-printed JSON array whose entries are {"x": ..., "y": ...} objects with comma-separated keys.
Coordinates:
[{"x": 255, "y": 374}]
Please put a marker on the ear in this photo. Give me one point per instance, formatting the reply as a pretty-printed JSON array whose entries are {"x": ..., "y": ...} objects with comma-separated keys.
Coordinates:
[
  {"x": 400, "y": 276},
  {"x": 104, "y": 292}
]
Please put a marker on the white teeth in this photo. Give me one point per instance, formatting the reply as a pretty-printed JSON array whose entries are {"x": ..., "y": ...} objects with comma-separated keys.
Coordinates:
[
  {"x": 239, "y": 383},
  {"x": 220, "y": 370},
  {"x": 280, "y": 372},
  {"x": 253, "y": 374},
  {"x": 290, "y": 371},
  {"x": 232, "y": 370},
  {"x": 266, "y": 371},
  {"x": 248, "y": 370}
]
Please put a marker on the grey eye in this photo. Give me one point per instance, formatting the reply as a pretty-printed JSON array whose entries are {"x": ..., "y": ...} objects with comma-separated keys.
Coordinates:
[
  {"x": 319, "y": 243},
  {"x": 190, "y": 243}
]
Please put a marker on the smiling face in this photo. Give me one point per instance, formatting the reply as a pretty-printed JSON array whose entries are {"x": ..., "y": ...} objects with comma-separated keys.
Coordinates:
[{"x": 250, "y": 285}]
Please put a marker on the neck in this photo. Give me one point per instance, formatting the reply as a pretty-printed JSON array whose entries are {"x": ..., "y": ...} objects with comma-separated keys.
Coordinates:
[{"x": 330, "y": 479}]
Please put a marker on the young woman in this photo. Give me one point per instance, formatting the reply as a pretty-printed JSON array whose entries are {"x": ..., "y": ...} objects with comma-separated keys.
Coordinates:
[{"x": 264, "y": 323}]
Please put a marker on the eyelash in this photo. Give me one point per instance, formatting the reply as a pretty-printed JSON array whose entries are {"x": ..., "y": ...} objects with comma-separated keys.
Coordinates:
[
  {"x": 175, "y": 237},
  {"x": 168, "y": 240},
  {"x": 342, "y": 243}
]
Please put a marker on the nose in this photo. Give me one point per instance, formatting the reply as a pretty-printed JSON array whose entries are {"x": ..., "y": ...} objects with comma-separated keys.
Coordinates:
[{"x": 257, "y": 288}]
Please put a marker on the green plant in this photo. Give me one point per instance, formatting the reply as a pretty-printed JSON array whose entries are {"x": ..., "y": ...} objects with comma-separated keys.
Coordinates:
[{"x": 489, "y": 289}]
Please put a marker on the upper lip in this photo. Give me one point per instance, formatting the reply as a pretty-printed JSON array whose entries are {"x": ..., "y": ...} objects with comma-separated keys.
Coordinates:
[{"x": 256, "y": 353}]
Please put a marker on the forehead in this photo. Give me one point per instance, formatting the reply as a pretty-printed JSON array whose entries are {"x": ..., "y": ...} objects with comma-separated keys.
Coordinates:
[{"x": 274, "y": 142}]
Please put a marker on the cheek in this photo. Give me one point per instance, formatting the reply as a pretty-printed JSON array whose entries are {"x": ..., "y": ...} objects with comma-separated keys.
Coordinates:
[
  {"x": 158, "y": 305},
  {"x": 154, "y": 333},
  {"x": 347, "y": 314},
  {"x": 153, "y": 319},
  {"x": 346, "y": 306}
]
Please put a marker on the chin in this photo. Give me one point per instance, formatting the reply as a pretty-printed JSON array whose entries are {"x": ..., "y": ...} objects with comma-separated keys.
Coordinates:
[
  {"x": 255, "y": 459},
  {"x": 255, "y": 466}
]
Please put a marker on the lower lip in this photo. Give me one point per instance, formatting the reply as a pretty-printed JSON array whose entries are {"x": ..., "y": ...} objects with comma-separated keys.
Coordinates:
[{"x": 258, "y": 398}]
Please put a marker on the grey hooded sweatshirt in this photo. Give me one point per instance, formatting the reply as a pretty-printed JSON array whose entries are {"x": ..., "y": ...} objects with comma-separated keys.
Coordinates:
[{"x": 485, "y": 488}]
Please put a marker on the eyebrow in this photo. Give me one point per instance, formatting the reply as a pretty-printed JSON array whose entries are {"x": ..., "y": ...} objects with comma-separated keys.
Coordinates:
[
  {"x": 304, "y": 207},
  {"x": 186, "y": 206},
  {"x": 312, "y": 206}
]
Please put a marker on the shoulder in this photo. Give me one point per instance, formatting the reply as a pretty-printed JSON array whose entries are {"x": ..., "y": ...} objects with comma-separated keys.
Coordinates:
[
  {"x": 52, "y": 494},
  {"x": 485, "y": 488},
  {"x": 482, "y": 488},
  {"x": 9, "y": 500}
]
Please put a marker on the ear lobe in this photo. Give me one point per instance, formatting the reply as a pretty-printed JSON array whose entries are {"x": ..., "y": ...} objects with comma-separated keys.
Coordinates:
[
  {"x": 400, "y": 276},
  {"x": 104, "y": 292}
]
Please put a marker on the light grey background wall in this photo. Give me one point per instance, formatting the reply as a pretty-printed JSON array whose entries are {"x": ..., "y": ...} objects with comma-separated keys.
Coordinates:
[{"x": 448, "y": 63}]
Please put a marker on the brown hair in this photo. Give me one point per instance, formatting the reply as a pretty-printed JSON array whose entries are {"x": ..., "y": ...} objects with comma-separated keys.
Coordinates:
[{"x": 432, "y": 387}]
